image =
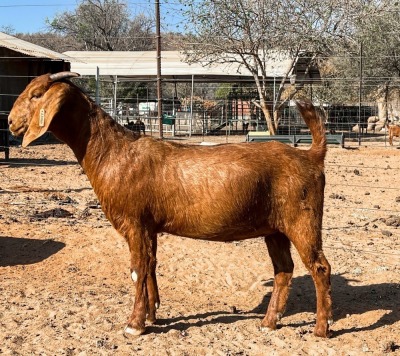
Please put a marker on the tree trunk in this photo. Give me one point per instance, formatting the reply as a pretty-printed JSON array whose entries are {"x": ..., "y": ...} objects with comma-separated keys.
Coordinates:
[
  {"x": 268, "y": 117},
  {"x": 263, "y": 105}
]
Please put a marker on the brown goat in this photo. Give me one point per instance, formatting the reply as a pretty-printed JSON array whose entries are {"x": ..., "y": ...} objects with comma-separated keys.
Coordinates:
[
  {"x": 148, "y": 186},
  {"x": 394, "y": 131}
]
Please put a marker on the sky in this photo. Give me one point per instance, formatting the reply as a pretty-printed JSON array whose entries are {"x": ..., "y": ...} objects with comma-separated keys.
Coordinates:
[{"x": 29, "y": 16}]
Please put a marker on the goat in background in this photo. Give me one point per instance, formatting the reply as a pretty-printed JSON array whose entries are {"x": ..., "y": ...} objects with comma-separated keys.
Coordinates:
[
  {"x": 147, "y": 186},
  {"x": 393, "y": 131}
]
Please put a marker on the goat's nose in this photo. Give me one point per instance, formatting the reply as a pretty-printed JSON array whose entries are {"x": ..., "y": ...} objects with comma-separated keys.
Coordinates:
[{"x": 9, "y": 121}]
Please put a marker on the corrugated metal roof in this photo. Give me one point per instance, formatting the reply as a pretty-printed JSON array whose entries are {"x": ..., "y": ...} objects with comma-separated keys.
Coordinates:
[
  {"x": 142, "y": 65},
  {"x": 29, "y": 49}
]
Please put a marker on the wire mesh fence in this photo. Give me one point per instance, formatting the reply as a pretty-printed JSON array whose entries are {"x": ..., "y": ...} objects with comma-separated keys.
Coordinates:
[{"x": 201, "y": 113}]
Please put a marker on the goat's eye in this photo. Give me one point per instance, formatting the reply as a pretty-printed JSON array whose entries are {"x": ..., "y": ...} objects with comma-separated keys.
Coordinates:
[{"x": 35, "y": 96}]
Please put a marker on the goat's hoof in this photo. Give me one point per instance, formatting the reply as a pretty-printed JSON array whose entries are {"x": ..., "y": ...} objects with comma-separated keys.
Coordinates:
[
  {"x": 129, "y": 331},
  {"x": 151, "y": 320},
  {"x": 268, "y": 325},
  {"x": 322, "y": 332}
]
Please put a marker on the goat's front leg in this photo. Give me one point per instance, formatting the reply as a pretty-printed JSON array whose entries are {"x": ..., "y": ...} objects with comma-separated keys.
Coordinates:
[
  {"x": 151, "y": 284},
  {"x": 143, "y": 263},
  {"x": 279, "y": 251}
]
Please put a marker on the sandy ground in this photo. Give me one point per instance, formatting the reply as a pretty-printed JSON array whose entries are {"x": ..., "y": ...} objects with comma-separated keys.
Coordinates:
[{"x": 65, "y": 287}]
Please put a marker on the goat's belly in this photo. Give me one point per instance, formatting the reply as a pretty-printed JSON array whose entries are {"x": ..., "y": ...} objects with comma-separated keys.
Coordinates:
[{"x": 225, "y": 234}]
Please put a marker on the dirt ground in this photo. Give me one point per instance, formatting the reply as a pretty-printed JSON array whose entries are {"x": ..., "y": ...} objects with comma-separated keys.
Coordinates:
[{"x": 65, "y": 287}]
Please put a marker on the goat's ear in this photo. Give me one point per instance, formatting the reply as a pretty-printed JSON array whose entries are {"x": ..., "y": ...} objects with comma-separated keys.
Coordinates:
[{"x": 46, "y": 108}]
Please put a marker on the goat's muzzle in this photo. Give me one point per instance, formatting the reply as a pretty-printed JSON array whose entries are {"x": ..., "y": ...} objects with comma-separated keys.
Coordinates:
[{"x": 16, "y": 130}]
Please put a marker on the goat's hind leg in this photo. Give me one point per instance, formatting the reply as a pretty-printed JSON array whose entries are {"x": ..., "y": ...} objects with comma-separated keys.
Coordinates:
[
  {"x": 279, "y": 251},
  {"x": 320, "y": 270}
]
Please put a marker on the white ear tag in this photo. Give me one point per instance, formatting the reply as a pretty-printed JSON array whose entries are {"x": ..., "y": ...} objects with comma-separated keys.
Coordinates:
[{"x": 41, "y": 118}]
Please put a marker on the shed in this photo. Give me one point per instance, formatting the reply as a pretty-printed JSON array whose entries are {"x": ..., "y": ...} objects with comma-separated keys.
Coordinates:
[
  {"x": 142, "y": 66},
  {"x": 20, "y": 62},
  {"x": 120, "y": 66}
]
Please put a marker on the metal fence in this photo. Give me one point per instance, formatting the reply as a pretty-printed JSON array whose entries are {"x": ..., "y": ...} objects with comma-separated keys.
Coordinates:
[{"x": 4, "y": 138}]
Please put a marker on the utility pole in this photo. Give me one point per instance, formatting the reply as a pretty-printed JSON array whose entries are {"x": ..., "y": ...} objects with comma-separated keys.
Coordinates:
[
  {"x": 158, "y": 48},
  {"x": 360, "y": 95}
]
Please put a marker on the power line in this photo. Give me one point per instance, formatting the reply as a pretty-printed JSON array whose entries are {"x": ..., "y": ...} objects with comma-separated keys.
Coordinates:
[{"x": 35, "y": 5}]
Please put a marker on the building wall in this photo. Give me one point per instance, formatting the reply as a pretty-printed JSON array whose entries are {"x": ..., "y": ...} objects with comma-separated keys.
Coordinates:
[{"x": 16, "y": 71}]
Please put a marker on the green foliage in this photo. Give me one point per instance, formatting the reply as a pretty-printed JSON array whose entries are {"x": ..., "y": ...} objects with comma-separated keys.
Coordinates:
[
  {"x": 129, "y": 91},
  {"x": 223, "y": 91}
]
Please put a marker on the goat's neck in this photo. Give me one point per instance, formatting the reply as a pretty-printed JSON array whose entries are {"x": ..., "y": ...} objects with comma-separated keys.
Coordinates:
[
  {"x": 103, "y": 142},
  {"x": 90, "y": 133}
]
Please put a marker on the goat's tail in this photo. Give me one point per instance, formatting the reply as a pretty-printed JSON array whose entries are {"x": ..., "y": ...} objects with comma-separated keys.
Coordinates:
[{"x": 314, "y": 118}]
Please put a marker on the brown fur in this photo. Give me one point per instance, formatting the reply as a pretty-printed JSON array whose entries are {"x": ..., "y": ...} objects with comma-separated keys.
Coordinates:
[
  {"x": 147, "y": 186},
  {"x": 394, "y": 131}
]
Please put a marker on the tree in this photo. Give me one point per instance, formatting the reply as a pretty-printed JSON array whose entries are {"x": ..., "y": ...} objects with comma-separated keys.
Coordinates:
[
  {"x": 55, "y": 42},
  {"x": 249, "y": 32},
  {"x": 105, "y": 25},
  {"x": 380, "y": 41},
  {"x": 377, "y": 39},
  {"x": 8, "y": 29}
]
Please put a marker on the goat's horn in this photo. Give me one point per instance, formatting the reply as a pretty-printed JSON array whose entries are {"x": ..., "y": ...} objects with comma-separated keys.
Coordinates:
[{"x": 62, "y": 75}]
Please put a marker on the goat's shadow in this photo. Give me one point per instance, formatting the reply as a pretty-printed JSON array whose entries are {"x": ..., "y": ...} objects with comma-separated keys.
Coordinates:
[
  {"x": 347, "y": 299},
  {"x": 351, "y": 148},
  {"x": 36, "y": 190},
  {"x": 21, "y": 251},
  {"x": 36, "y": 162}
]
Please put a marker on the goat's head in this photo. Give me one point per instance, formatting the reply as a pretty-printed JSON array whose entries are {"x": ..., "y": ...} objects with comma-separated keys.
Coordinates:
[{"x": 36, "y": 106}]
